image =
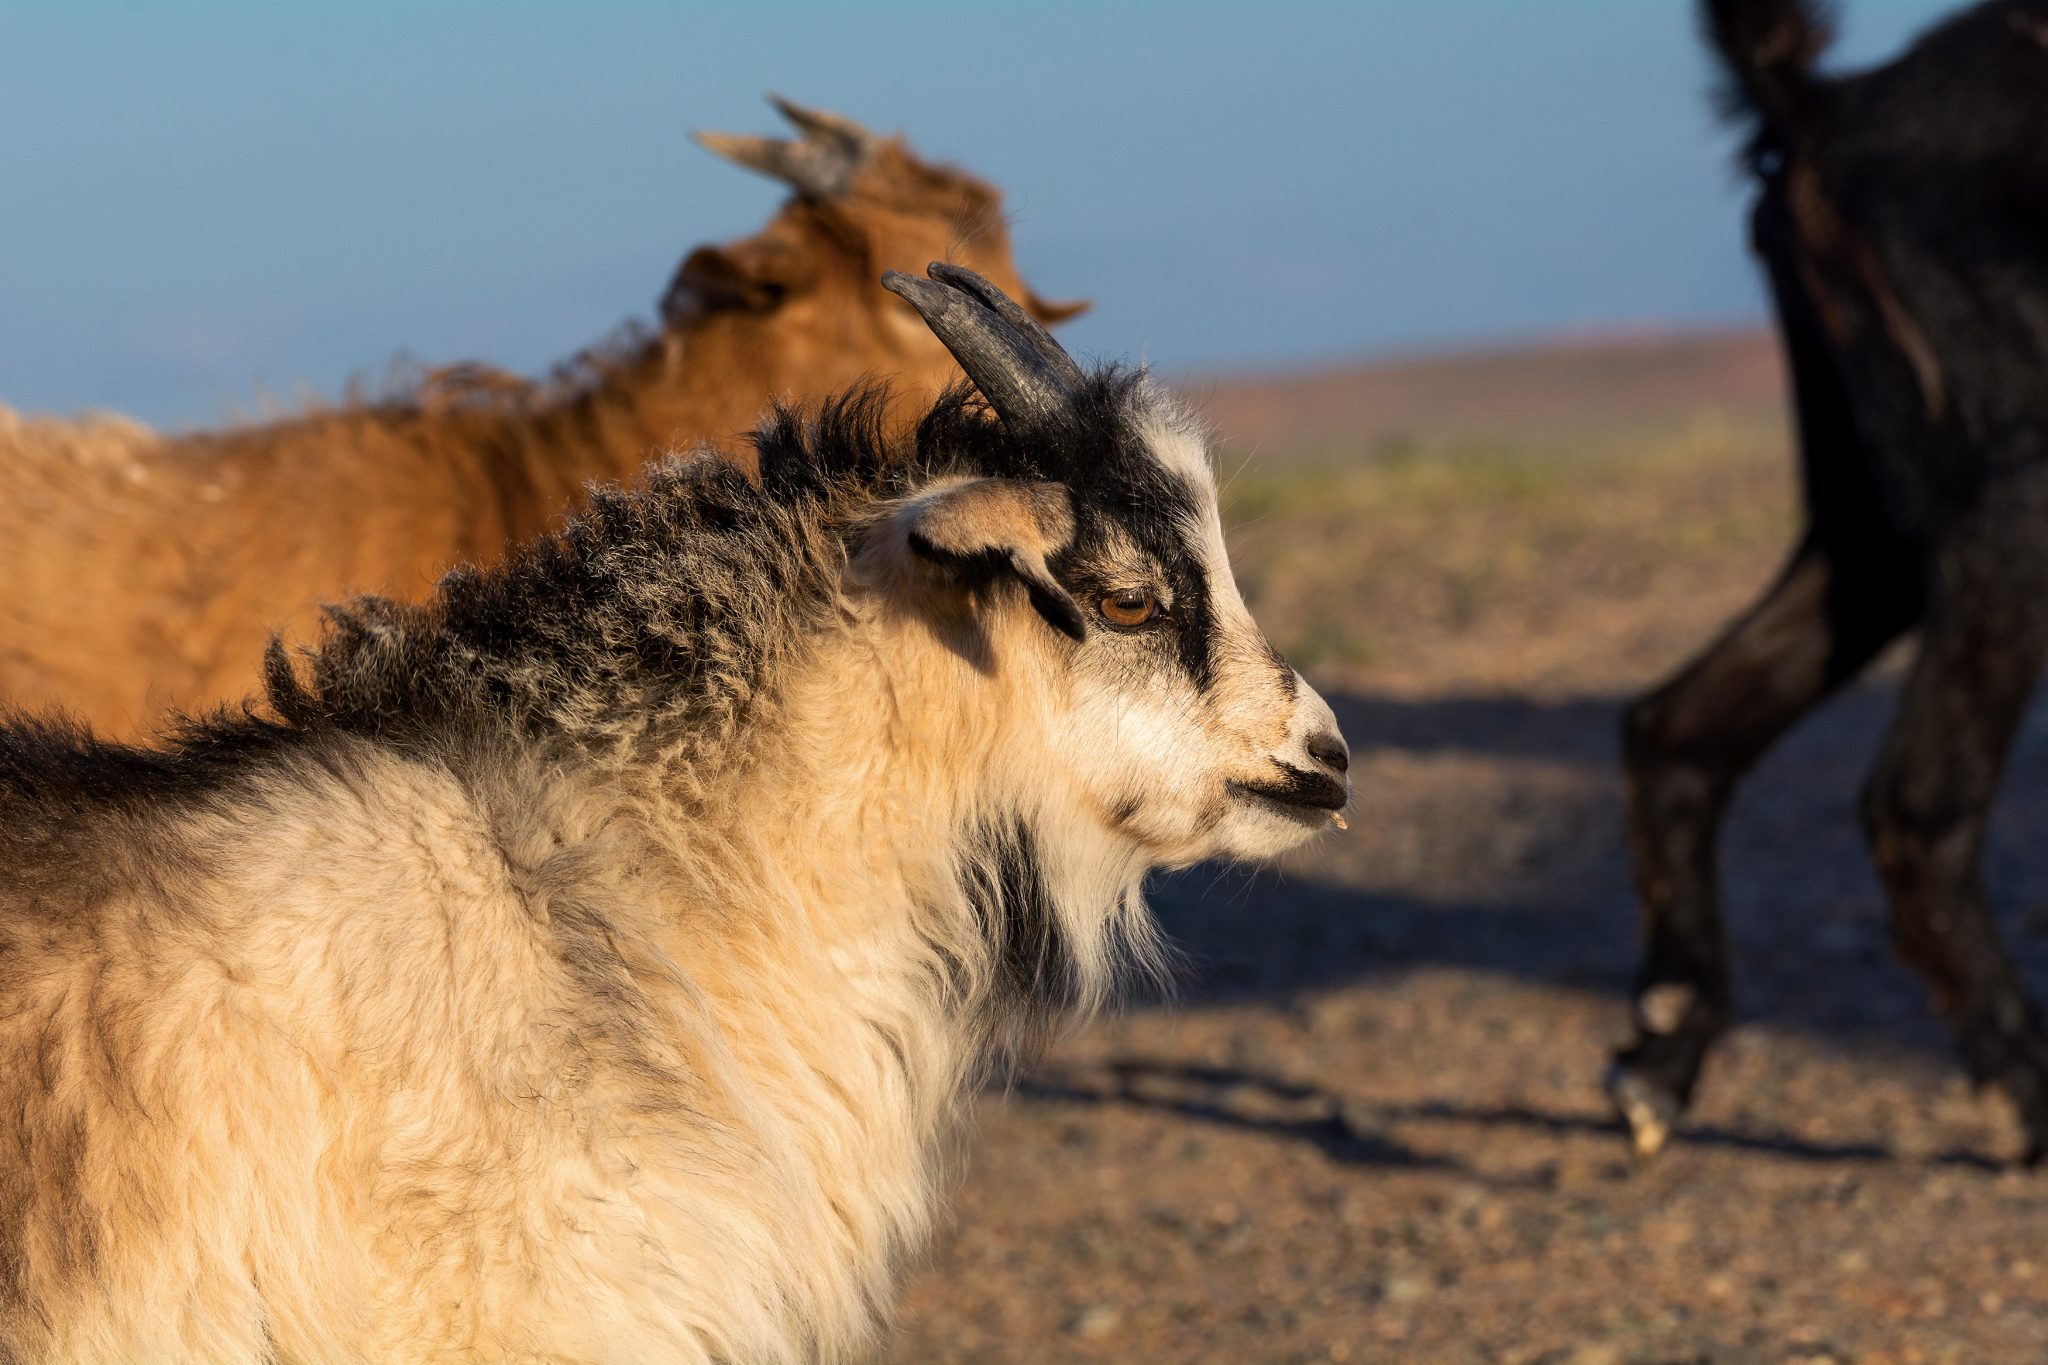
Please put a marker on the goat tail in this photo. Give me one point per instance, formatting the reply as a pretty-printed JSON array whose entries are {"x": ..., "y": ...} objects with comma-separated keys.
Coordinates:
[{"x": 1768, "y": 48}]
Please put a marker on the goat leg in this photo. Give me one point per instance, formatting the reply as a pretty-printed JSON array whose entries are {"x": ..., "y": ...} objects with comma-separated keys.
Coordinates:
[
  {"x": 1686, "y": 746},
  {"x": 1930, "y": 795}
]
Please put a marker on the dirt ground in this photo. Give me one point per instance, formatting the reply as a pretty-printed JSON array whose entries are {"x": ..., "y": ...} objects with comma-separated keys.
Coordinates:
[{"x": 1371, "y": 1128}]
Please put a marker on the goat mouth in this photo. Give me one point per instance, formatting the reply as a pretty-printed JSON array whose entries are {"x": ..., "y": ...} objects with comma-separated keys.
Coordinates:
[{"x": 1304, "y": 795}]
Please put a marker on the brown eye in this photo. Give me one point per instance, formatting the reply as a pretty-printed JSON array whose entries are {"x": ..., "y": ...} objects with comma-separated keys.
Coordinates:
[{"x": 1130, "y": 607}]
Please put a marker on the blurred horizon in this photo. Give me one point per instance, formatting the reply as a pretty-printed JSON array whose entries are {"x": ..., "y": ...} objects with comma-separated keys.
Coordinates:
[{"x": 217, "y": 204}]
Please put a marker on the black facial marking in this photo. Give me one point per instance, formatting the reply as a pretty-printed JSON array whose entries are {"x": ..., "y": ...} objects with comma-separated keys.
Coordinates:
[
  {"x": 1122, "y": 495},
  {"x": 1296, "y": 787},
  {"x": 1155, "y": 508}
]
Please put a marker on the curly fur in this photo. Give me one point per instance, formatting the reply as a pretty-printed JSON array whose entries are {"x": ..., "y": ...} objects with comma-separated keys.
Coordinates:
[{"x": 590, "y": 963}]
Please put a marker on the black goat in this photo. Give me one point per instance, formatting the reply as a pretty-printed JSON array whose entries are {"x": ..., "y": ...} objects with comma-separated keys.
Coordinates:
[{"x": 1902, "y": 219}]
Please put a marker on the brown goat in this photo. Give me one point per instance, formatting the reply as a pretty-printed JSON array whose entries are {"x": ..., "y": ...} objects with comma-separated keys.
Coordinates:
[{"x": 142, "y": 572}]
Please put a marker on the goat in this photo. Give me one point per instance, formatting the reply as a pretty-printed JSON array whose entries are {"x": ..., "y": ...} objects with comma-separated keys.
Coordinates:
[
  {"x": 590, "y": 962},
  {"x": 1902, "y": 220},
  {"x": 141, "y": 573}
]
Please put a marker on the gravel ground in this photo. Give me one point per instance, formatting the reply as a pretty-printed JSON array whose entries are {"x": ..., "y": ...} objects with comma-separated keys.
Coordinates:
[{"x": 1371, "y": 1126}]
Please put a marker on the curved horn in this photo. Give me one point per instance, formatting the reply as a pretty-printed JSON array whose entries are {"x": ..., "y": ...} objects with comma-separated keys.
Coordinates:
[
  {"x": 960, "y": 277},
  {"x": 820, "y": 163},
  {"x": 823, "y": 123},
  {"x": 1020, "y": 382}
]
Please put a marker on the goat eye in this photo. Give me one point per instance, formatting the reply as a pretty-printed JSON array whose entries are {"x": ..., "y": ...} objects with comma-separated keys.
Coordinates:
[{"x": 1130, "y": 606}]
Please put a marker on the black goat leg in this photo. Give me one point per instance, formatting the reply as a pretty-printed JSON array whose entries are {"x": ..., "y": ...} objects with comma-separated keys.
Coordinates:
[
  {"x": 1686, "y": 746},
  {"x": 1930, "y": 796}
]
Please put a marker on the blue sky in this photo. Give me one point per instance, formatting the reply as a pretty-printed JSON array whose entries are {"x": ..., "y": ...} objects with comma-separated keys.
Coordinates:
[{"x": 209, "y": 202}]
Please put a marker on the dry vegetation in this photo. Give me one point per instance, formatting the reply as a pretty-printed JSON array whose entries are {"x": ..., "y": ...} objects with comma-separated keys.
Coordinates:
[
  {"x": 1479, "y": 565},
  {"x": 1372, "y": 1129}
]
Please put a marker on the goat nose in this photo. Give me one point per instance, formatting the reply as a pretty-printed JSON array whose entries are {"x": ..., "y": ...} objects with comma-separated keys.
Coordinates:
[{"x": 1328, "y": 750}]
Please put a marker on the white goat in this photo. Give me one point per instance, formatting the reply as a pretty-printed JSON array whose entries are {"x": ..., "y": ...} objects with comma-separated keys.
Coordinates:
[{"x": 589, "y": 964}]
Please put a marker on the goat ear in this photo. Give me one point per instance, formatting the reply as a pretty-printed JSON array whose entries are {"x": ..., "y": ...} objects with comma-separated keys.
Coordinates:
[
  {"x": 978, "y": 530},
  {"x": 749, "y": 276},
  {"x": 1051, "y": 314}
]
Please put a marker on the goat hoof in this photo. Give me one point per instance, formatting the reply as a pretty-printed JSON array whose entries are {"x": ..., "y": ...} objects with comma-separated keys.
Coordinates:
[
  {"x": 2021, "y": 1077},
  {"x": 1650, "y": 1111},
  {"x": 2035, "y": 1123}
]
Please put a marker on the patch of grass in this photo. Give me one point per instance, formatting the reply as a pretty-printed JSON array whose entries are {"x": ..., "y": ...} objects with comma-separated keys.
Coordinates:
[
  {"x": 1319, "y": 643},
  {"x": 1353, "y": 560}
]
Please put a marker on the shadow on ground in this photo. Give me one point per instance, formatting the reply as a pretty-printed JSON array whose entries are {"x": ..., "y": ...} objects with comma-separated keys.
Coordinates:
[
  {"x": 1349, "y": 1133},
  {"x": 1538, "y": 880}
]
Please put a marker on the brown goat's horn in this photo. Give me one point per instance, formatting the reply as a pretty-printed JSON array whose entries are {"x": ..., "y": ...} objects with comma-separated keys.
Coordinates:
[
  {"x": 1025, "y": 385},
  {"x": 820, "y": 163},
  {"x": 823, "y": 123}
]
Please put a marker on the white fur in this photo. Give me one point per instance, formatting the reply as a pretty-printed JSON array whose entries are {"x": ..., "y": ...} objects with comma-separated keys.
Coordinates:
[{"x": 501, "y": 1055}]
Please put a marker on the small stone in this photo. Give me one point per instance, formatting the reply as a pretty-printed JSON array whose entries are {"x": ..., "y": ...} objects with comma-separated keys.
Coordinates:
[
  {"x": 1577, "y": 1172},
  {"x": 1404, "y": 1289},
  {"x": 1330, "y": 1015},
  {"x": 1469, "y": 1196},
  {"x": 1096, "y": 1321}
]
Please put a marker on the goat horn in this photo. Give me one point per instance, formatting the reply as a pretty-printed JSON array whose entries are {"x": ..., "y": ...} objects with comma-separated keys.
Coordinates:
[
  {"x": 1024, "y": 386},
  {"x": 820, "y": 164},
  {"x": 823, "y": 123},
  {"x": 767, "y": 155},
  {"x": 960, "y": 277}
]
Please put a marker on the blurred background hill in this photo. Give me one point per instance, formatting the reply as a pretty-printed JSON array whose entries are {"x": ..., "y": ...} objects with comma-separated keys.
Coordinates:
[{"x": 1593, "y": 388}]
